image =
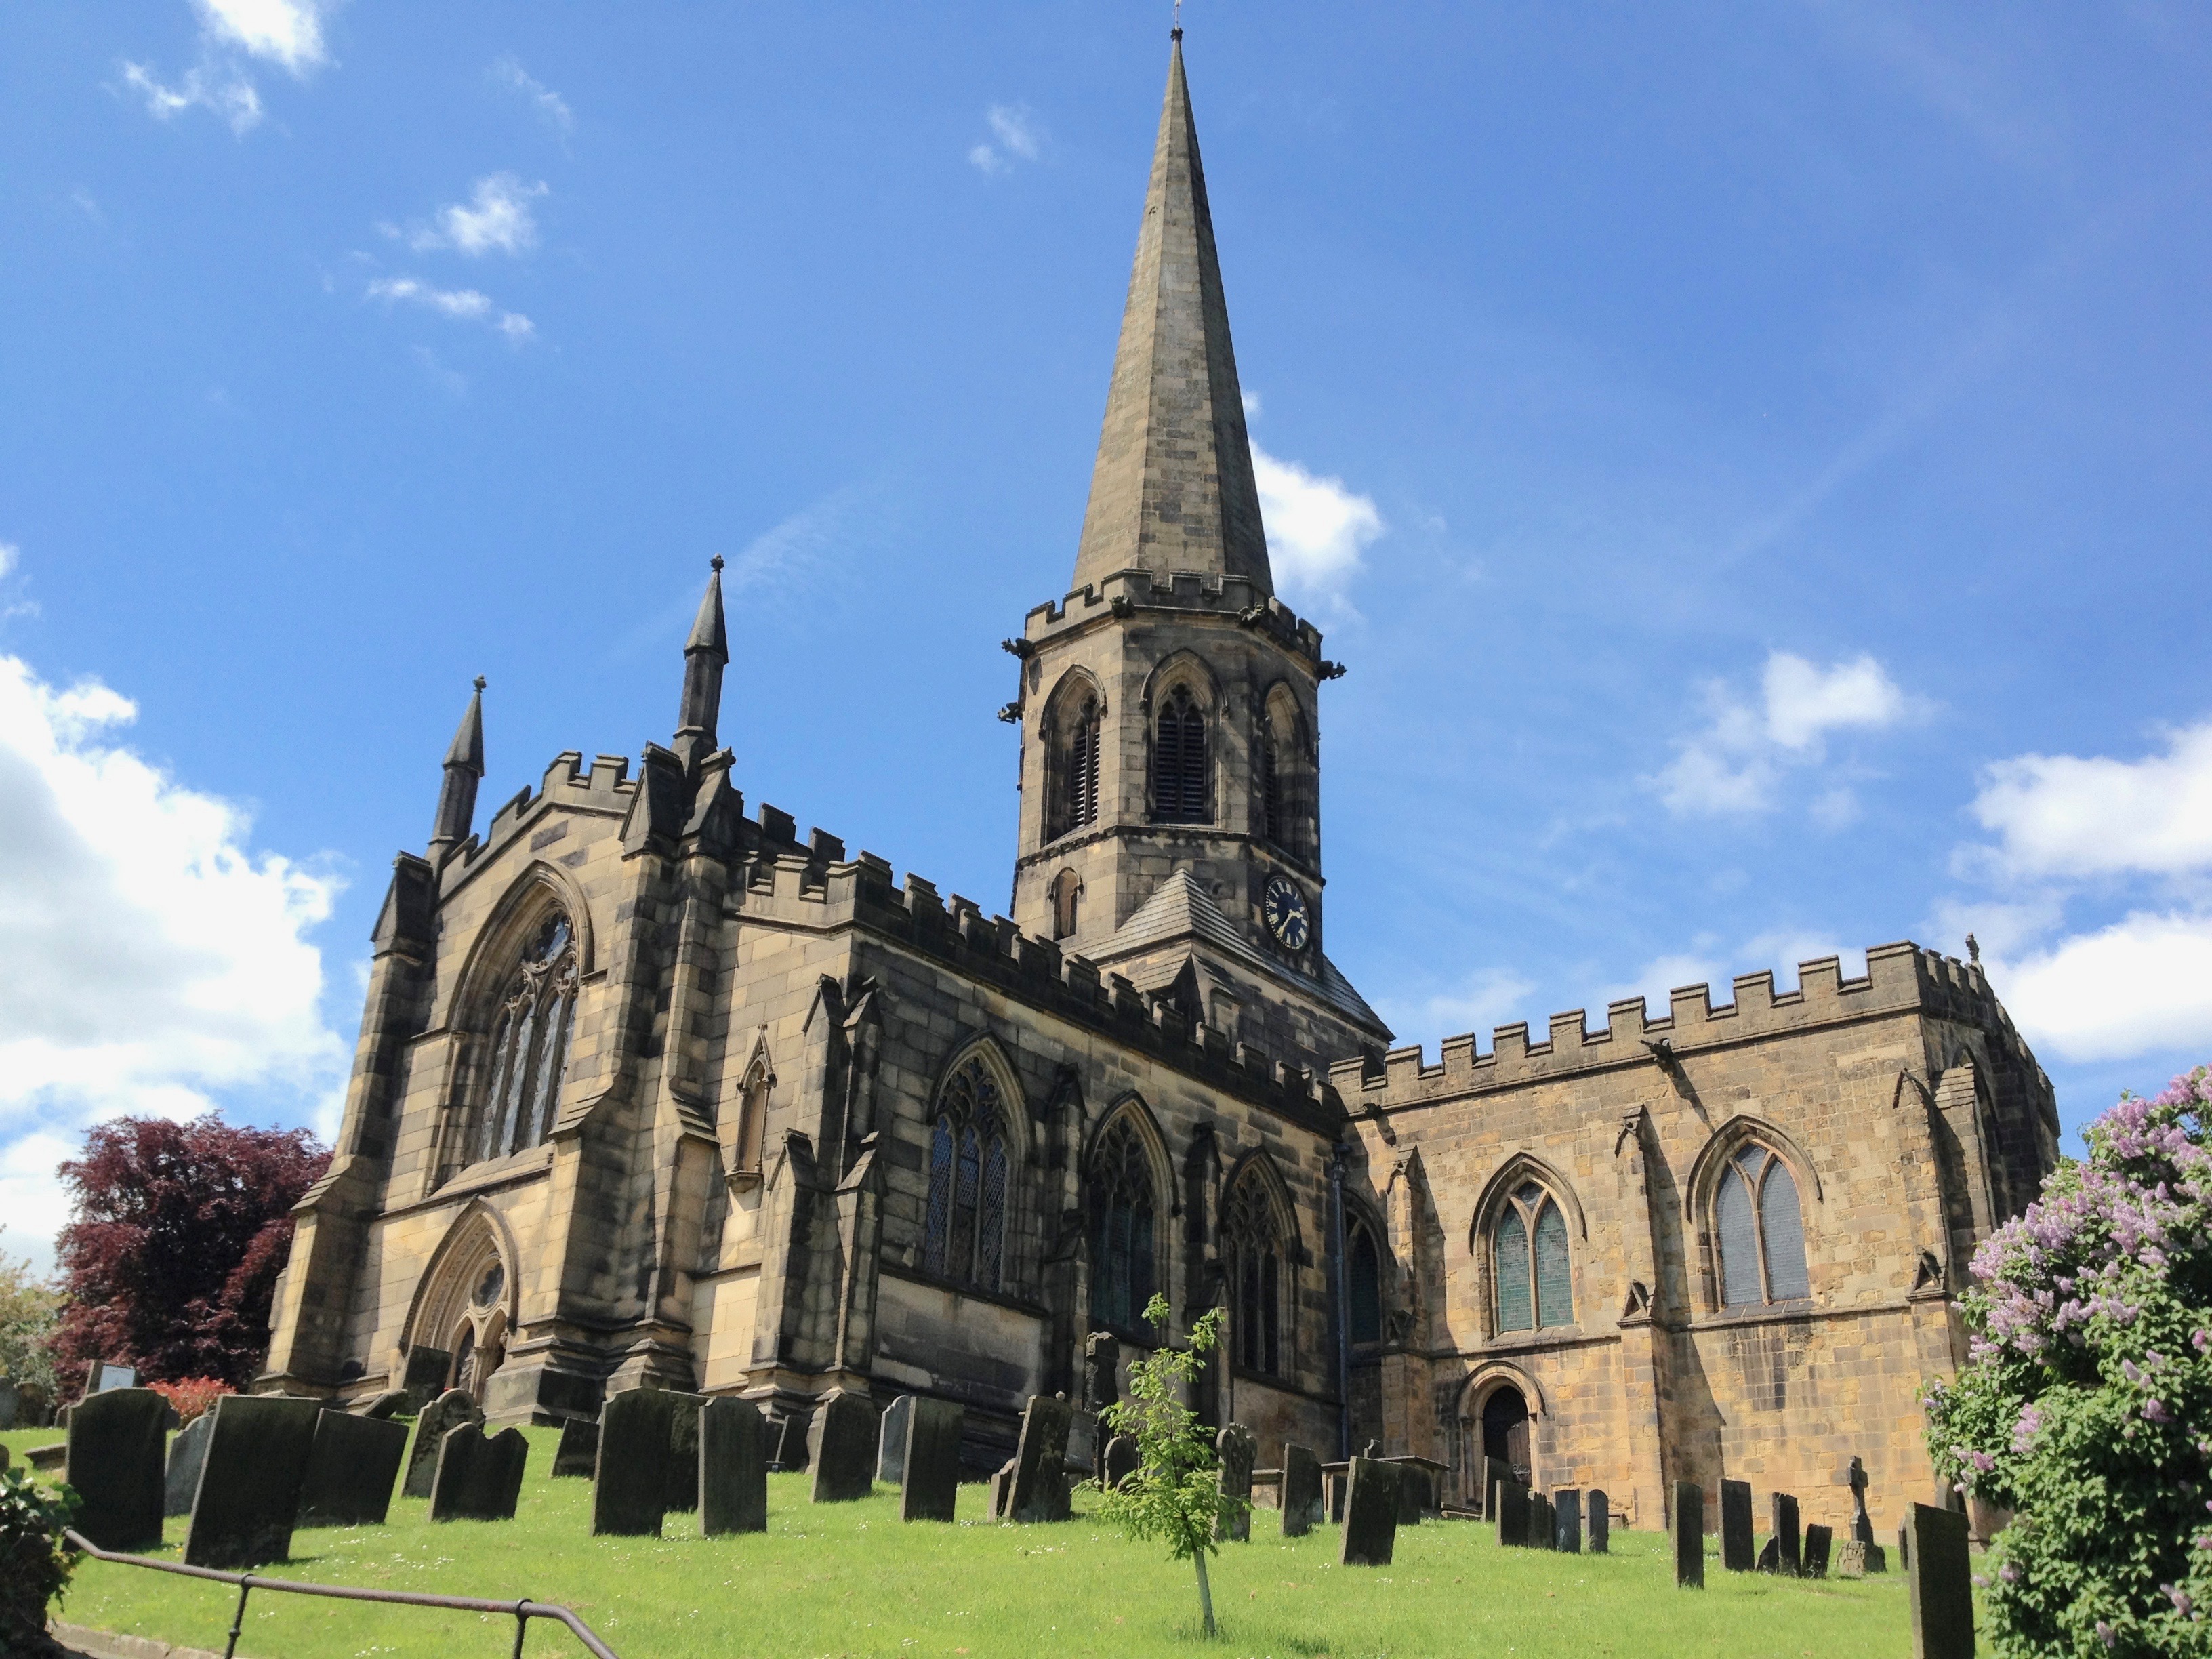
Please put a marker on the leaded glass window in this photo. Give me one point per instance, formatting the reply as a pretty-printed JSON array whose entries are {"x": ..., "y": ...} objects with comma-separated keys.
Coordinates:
[
  {"x": 1759, "y": 1231},
  {"x": 530, "y": 1042},
  {"x": 1124, "y": 1266},
  {"x": 1179, "y": 762},
  {"x": 964, "y": 1223},
  {"x": 1252, "y": 1250},
  {"x": 1364, "y": 1275},
  {"x": 1535, "y": 1287}
]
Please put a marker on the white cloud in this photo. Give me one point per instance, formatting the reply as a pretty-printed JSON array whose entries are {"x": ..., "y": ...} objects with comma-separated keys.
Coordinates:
[
  {"x": 153, "y": 957},
  {"x": 1019, "y": 137},
  {"x": 1478, "y": 1003},
  {"x": 464, "y": 303},
  {"x": 1736, "y": 764},
  {"x": 551, "y": 107},
  {"x": 218, "y": 87},
  {"x": 1805, "y": 703},
  {"x": 497, "y": 220},
  {"x": 1316, "y": 528},
  {"x": 2140, "y": 985},
  {"x": 285, "y": 32},
  {"x": 1781, "y": 953},
  {"x": 2061, "y": 815}
]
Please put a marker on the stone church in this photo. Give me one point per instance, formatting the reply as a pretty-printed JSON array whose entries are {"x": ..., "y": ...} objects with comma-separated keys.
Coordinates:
[{"x": 652, "y": 1091}]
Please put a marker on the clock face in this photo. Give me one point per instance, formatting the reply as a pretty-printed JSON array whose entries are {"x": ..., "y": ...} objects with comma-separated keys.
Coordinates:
[{"x": 1284, "y": 908}]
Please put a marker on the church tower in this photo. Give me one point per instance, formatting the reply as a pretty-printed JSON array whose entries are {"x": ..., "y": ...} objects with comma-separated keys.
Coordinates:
[{"x": 1171, "y": 816}]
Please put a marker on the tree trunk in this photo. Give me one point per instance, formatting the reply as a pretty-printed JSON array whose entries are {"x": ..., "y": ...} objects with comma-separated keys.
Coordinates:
[{"x": 1205, "y": 1590}]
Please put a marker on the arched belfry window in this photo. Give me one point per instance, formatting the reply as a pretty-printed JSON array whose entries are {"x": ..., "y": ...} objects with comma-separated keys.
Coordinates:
[
  {"x": 964, "y": 1229},
  {"x": 530, "y": 1041},
  {"x": 1252, "y": 1252},
  {"x": 1067, "y": 900},
  {"x": 1364, "y": 1284},
  {"x": 1530, "y": 1266},
  {"x": 1072, "y": 793},
  {"x": 1124, "y": 1211},
  {"x": 1759, "y": 1231},
  {"x": 1179, "y": 762}
]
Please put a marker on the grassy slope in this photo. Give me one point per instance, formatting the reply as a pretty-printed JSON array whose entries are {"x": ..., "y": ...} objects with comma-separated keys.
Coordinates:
[{"x": 849, "y": 1579}]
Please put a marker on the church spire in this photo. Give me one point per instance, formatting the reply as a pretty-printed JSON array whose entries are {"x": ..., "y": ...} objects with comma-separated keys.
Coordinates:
[
  {"x": 465, "y": 765},
  {"x": 1173, "y": 487},
  {"x": 705, "y": 655}
]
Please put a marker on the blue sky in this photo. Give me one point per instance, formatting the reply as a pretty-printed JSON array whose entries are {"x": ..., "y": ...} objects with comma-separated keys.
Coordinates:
[{"x": 1751, "y": 460}]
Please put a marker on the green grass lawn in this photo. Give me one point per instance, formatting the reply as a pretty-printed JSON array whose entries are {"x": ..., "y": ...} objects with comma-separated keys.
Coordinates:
[{"x": 850, "y": 1579}]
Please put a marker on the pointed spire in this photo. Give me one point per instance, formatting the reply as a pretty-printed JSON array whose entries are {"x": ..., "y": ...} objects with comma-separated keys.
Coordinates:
[
  {"x": 465, "y": 765},
  {"x": 705, "y": 655},
  {"x": 1173, "y": 487}
]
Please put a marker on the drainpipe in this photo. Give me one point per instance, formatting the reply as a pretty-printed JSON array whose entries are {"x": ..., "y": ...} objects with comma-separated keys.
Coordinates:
[{"x": 1340, "y": 1155}]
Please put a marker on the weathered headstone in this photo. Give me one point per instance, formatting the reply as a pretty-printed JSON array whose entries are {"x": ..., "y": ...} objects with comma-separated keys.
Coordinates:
[
  {"x": 1862, "y": 1522},
  {"x": 1495, "y": 1473},
  {"x": 890, "y": 1441},
  {"x": 1784, "y": 1508},
  {"x": 34, "y": 1410},
  {"x": 1002, "y": 1481},
  {"x": 682, "y": 1464},
  {"x": 732, "y": 1468},
  {"x": 479, "y": 1477},
  {"x": 247, "y": 1500},
  {"x": 1237, "y": 1452},
  {"x": 1599, "y": 1507},
  {"x": 10, "y": 1402},
  {"x": 352, "y": 1468},
  {"x": 446, "y": 1413},
  {"x": 1301, "y": 1490},
  {"x": 1769, "y": 1556},
  {"x": 393, "y": 1402},
  {"x": 1122, "y": 1458},
  {"x": 1510, "y": 1506},
  {"x": 1567, "y": 1521},
  {"x": 1037, "y": 1484},
  {"x": 424, "y": 1379},
  {"x": 1543, "y": 1523},
  {"x": 1851, "y": 1559},
  {"x": 1371, "y": 1514},
  {"x": 629, "y": 1480},
  {"x": 789, "y": 1436},
  {"x": 1736, "y": 1546},
  {"x": 108, "y": 1375},
  {"x": 843, "y": 1448},
  {"x": 1689, "y": 1535},
  {"x": 114, "y": 1462},
  {"x": 1102, "y": 1372},
  {"x": 1941, "y": 1569},
  {"x": 186, "y": 1453},
  {"x": 577, "y": 1455},
  {"x": 1413, "y": 1493},
  {"x": 930, "y": 1481},
  {"x": 1817, "y": 1539}
]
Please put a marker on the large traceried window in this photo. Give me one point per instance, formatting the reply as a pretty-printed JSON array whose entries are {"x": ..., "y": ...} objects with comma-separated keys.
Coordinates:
[
  {"x": 964, "y": 1229},
  {"x": 1759, "y": 1231},
  {"x": 1252, "y": 1250},
  {"x": 1364, "y": 1284},
  {"x": 530, "y": 1043},
  {"x": 1124, "y": 1261},
  {"x": 1179, "y": 762},
  {"x": 1073, "y": 795},
  {"x": 1529, "y": 1262}
]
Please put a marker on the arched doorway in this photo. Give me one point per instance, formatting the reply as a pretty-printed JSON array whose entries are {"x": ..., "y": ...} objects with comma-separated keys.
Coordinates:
[{"x": 1505, "y": 1431}]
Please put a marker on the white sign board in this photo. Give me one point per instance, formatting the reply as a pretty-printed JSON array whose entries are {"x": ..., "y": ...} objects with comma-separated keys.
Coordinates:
[{"x": 113, "y": 1376}]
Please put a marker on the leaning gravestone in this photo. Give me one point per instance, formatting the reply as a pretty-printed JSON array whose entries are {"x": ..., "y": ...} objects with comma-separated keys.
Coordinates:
[
  {"x": 843, "y": 1448},
  {"x": 10, "y": 1402},
  {"x": 1769, "y": 1556},
  {"x": 248, "y": 1497},
  {"x": 1941, "y": 1570},
  {"x": 1122, "y": 1458},
  {"x": 479, "y": 1479},
  {"x": 114, "y": 1461},
  {"x": 351, "y": 1470},
  {"x": 629, "y": 1482},
  {"x": 1567, "y": 1521},
  {"x": 1818, "y": 1540},
  {"x": 1237, "y": 1451},
  {"x": 1543, "y": 1523},
  {"x": 732, "y": 1468},
  {"x": 1036, "y": 1488},
  {"x": 1689, "y": 1535},
  {"x": 424, "y": 1379},
  {"x": 1736, "y": 1546},
  {"x": 578, "y": 1453},
  {"x": 186, "y": 1453},
  {"x": 1102, "y": 1370},
  {"x": 393, "y": 1402},
  {"x": 1510, "y": 1505},
  {"x": 1371, "y": 1514},
  {"x": 682, "y": 1465},
  {"x": 1786, "y": 1540},
  {"x": 1600, "y": 1509},
  {"x": 1301, "y": 1491},
  {"x": 930, "y": 1479},
  {"x": 890, "y": 1441},
  {"x": 441, "y": 1417}
]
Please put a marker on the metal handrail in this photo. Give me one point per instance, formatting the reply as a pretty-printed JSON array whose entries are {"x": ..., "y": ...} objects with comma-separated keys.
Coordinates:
[{"x": 522, "y": 1612}]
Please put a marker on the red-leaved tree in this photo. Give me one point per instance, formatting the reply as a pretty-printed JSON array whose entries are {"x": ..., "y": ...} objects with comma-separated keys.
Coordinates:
[{"x": 177, "y": 1234}]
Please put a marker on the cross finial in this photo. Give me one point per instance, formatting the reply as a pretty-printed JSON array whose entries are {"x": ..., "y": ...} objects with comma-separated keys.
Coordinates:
[
  {"x": 480, "y": 681},
  {"x": 1176, "y": 33},
  {"x": 717, "y": 563}
]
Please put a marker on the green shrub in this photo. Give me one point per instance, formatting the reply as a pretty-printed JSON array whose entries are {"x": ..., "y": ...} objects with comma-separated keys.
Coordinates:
[{"x": 35, "y": 1563}]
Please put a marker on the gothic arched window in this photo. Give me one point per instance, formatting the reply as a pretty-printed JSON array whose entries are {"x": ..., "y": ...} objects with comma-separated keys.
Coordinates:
[
  {"x": 1124, "y": 1267},
  {"x": 530, "y": 1042},
  {"x": 1760, "y": 1231},
  {"x": 1535, "y": 1286},
  {"x": 964, "y": 1229},
  {"x": 1364, "y": 1285},
  {"x": 1252, "y": 1250},
  {"x": 1179, "y": 762},
  {"x": 1072, "y": 793},
  {"x": 1066, "y": 897}
]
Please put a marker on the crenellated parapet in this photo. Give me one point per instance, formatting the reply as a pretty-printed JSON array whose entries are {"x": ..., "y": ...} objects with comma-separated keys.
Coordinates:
[{"x": 1232, "y": 597}]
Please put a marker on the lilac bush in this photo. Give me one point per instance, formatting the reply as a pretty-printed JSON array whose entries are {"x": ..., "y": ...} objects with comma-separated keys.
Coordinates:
[{"x": 2086, "y": 1404}]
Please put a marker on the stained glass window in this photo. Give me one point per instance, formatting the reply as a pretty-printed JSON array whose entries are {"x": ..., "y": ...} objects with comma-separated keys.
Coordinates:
[
  {"x": 1759, "y": 1231},
  {"x": 1533, "y": 1265},
  {"x": 964, "y": 1225}
]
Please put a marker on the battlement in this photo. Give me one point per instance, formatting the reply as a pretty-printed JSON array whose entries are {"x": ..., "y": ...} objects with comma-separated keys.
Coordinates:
[
  {"x": 1899, "y": 977},
  {"x": 1125, "y": 591}
]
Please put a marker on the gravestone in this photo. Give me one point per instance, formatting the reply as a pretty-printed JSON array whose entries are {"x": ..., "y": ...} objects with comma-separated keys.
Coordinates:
[
  {"x": 446, "y": 1413},
  {"x": 1784, "y": 1509},
  {"x": 1600, "y": 1508},
  {"x": 578, "y": 1453},
  {"x": 352, "y": 1468},
  {"x": 1413, "y": 1493},
  {"x": 10, "y": 1402},
  {"x": 843, "y": 1448},
  {"x": 732, "y": 1468},
  {"x": 1904, "y": 1546},
  {"x": 1237, "y": 1451},
  {"x": 1940, "y": 1571},
  {"x": 247, "y": 1500},
  {"x": 630, "y": 1478},
  {"x": 34, "y": 1410},
  {"x": 1851, "y": 1559},
  {"x": 1122, "y": 1458},
  {"x": 1510, "y": 1505},
  {"x": 1769, "y": 1556},
  {"x": 1862, "y": 1522},
  {"x": 186, "y": 1453},
  {"x": 1002, "y": 1478},
  {"x": 1735, "y": 1525},
  {"x": 682, "y": 1464},
  {"x": 890, "y": 1441},
  {"x": 1567, "y": 1521},
  {"x": 1301, "y": 1491},
  {"x": 929, "y": 1484},
  {"x": 1689, "y": 1535},
  {"x": 424, "y": 1379},
  {"x": 1102, "y": 1372},
  {"x": 1037, "y": 1480},
  {"x": 478, "y": 1478},
  {"x": 788, "y": 1434},
  {"x": 393, "y": 1402},
  {"x": 1371, "y": 1514},
  {"x": 107, "y": 1375},
  {"x": 1495, "y": 1473},
  {"x": 1543, "y": 1523},
  {"x": 1818, "y": 1538},
  {"x": 113, "y": 1461}
]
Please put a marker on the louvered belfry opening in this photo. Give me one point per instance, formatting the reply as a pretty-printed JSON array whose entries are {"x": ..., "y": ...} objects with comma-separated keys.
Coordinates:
[
  {"x": 1179, "y": 762},
  {"x": 1759, "y": 1231},
  {"x": 1076, "y": 807},
  {"x": 1531, "y": 1263}
]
